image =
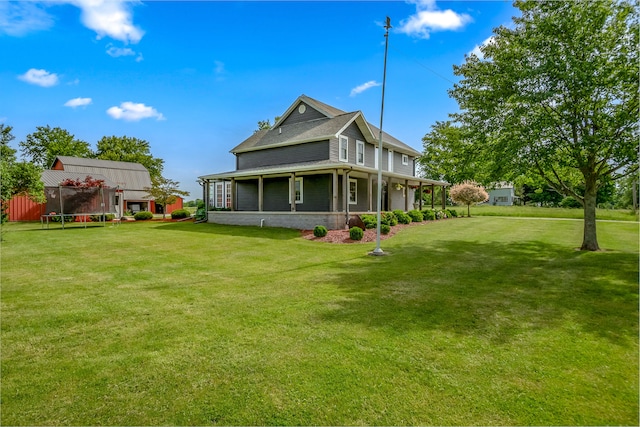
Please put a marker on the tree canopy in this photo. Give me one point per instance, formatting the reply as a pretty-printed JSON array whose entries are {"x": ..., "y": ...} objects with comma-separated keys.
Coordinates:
[
  {"x": 16, "y": 177},
  {"x": 468, "y": 192},
  {"x": 129, "y": 149},
  {"x": 557, "y": 93},
  {"x": 42, "y": 146},
  {"x": 165, "y": 191}
]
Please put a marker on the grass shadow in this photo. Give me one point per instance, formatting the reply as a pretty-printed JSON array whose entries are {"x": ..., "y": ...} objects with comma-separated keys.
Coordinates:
[
  {"x": 497, "y": 290},
  {"x": 273, "y": 233}
]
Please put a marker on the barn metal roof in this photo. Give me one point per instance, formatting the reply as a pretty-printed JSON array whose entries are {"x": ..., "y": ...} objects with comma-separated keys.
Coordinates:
[
  {"x": 126, "y": 175},
  {"x": 53, "y": 178}
]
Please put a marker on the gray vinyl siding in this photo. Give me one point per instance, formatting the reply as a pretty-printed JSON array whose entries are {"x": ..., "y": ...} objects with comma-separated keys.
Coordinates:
[
  {"x": 363, "y": 201},
  {"x": 296, "y": 117},
  {"x": 247, "y": 195},
  {"x": 352, "y": 132},
  {"x": 398, "y": 167},
  {"x": 316, "y": 194},
  {"x": 276, "y": 194},
  {"x": 306, "y": 152}
]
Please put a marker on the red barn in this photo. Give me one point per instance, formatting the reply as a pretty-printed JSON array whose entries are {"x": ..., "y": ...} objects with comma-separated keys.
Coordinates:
[{"x": 126, "y": 180}]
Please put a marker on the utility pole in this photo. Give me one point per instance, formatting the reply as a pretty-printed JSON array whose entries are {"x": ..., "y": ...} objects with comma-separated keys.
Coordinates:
[{"x": 378, "y": 250}]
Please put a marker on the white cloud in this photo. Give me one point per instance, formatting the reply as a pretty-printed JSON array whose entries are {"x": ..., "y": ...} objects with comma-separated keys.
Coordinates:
[
  {"x": 429, "y": 18},
  {"x": 368, "y": 85},
  {"x": 120, "y": 51},
  {"x": 133, "y": 112},
  {"x": 476, "y": 50},
  {"x": 20, "y": 18},
  {"x": 111, "y": 18},
  {"x": 39, "y": 77},
  {"x": 78, "y": 102}
]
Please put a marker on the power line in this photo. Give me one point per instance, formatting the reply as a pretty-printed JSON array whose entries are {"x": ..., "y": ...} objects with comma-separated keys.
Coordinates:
[{"x": 422, "y": 65}]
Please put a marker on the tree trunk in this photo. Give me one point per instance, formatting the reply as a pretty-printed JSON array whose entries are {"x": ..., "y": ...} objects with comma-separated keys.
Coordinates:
[
  {"x": 469, "y": 210},
  {"x": 590, "y": 239}
]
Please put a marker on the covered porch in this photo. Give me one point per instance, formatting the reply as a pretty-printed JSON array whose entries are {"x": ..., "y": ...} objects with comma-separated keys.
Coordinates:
[{"x": 303, "y": 196}]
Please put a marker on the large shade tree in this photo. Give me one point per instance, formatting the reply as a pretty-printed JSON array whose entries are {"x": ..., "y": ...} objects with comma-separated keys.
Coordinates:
[
  {"x": 557, "y": 93},
  {"x": 129, "y": 149},
  {"x": 42, "y": 146}
]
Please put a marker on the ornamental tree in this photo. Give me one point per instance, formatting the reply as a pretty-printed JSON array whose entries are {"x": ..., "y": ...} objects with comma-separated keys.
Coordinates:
[
  {"x": 556, "y": 94},
  {"x": 165, "y": 192},
  {"x": 467, "y": 193}
]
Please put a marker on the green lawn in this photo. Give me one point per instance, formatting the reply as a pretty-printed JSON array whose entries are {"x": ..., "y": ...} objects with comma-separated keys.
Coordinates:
[
  {"x": 544, "y": 212},
  {"x": 482, "y": 320}
]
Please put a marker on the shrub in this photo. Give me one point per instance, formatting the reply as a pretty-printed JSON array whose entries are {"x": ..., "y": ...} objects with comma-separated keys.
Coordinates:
[
  {"x": 356, "y": 233},
  {"x": 320, "y": 231},
  {"x": 429, "y": 214},
  {"x": 415, "y": 215},
  {"x": 440, "y": 214},
  {"x": 106, "y": 217},
  {"x": 143, "y": 215},
  {"x": 370, "y": 221},
  {"x": 180, "y": 213},
  {"x": 403, "y": 218},
  {"x": 570, "y": 202},
  {"x": 388, "y": 218},
  {"x": 451, "y": 213},
  {"x": 384, "y": 229}
]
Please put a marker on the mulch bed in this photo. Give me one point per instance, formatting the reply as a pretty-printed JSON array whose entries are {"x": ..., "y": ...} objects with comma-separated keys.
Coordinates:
[{"x": 342, "y": 236}]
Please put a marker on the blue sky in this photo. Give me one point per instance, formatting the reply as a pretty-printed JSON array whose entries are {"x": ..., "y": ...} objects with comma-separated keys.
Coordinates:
[{"x": 194, "y": 78}]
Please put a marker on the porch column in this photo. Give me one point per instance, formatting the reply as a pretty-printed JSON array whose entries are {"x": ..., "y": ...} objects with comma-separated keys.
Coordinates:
[
  {"x": 292, "y": 192},
  {"x": 334, "y": 191},
  {"x": 420, "y": 196},
  {"x": 433, "y": 195},
  {"x": 260, "y": 193},
  {"x": 444, "y": 197},
  {"x": 345, "y": 193},
  {"x": 233, "y": 194},
  {"x": 389, "y": 191},
  {"x": 370, "y": 191},
  {"x": 406, "y": 195}
]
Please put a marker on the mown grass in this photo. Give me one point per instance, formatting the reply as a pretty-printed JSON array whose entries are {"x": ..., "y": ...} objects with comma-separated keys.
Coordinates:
[
  {"x": 545, "y": 212},
  {"x": 478, "y": 320}
]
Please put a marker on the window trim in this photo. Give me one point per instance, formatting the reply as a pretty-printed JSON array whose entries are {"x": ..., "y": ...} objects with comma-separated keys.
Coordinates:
[
  {"x": 219, "y": 194},
  {"x": 354, "y": 181},
  {"x": 390, "y": 160},
  {"x": 346, "y": 148},
  {"x": 300, "y": 180},
  {"x": 360, "y": 146},
  {"x": 405, "y": 159}
]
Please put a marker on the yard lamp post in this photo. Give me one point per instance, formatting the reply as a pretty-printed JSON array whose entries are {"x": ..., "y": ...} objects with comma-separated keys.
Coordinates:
[{"x": 378, "y": 250}]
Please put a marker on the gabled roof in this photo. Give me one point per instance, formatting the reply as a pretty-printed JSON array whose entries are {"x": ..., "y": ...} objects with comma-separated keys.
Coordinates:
[
  {"x": 97, "y": 163},
  {"x": 330, "y": 126},
  {"x": 53, "y": 178},
  {"x": 126, "y": 175}
]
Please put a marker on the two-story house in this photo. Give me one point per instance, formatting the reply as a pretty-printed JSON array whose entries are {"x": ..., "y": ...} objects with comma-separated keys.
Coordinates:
[{"x": 317, "y": 165}]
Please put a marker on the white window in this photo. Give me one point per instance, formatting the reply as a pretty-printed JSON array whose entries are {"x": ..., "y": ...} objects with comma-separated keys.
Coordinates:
[
  {"x": 219, "y": 196},
  {"x": 359, "y": 152},
  {"x": 390, "y": 161},
  {"x": 353, "y": 191},
  {"x": 298, "y": 190},
  {"x": 405, "y": 159},
  {"x": 375, "y": 159},
  {"x": 227, "y": 188},
  {"x": 344, "y": 149}
]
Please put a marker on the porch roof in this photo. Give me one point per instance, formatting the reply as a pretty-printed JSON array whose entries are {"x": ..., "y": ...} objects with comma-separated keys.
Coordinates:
[{"x": 315, "y": 167}]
